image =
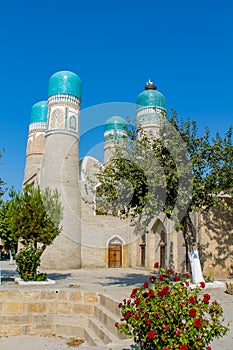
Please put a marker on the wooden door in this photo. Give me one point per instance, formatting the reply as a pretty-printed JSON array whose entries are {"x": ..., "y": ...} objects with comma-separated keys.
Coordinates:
[{"x": 115, "y": 256}]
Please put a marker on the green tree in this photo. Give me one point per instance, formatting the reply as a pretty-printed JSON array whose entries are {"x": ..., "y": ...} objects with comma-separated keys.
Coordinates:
[
  {"x": 7, "y": 235},
  {"x": 178, "y": 173},
  {"x": 33, "y": 219}
]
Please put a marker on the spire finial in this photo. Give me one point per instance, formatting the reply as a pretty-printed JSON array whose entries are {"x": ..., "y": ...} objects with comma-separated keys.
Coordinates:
[{"x": 150, "y": 85}]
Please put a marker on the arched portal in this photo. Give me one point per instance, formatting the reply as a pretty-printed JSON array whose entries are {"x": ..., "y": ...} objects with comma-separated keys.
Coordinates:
[{"x": 115, "y": 252}]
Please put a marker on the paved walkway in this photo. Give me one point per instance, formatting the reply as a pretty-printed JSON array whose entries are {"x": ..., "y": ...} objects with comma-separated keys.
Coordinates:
[{"x": 117, "y": 283}]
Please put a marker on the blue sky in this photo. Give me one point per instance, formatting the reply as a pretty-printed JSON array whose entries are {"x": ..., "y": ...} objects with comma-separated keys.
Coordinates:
[{"x": 184, "y": 46}]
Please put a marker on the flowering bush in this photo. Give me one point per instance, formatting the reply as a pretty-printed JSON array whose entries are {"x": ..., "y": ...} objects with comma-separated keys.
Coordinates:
[{"x": 167, "y": 314}]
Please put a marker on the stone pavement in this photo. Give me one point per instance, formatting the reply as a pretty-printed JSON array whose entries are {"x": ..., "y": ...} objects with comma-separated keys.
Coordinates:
[{"x": 116, "y": 283}]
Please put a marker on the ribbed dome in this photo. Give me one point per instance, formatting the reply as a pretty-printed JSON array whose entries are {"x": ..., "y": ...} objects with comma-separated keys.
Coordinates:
[
  {"x": 65, "y": 82},
  {"x": 39, "y": 112},
  {"x": 115, "y": 123},
  {"x": 151, "y": 98}
]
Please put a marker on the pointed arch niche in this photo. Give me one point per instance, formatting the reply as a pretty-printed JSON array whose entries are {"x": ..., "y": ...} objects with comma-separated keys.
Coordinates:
[
  {"x": 160, "y": 240},
  {"x": 115, "y": 250}
]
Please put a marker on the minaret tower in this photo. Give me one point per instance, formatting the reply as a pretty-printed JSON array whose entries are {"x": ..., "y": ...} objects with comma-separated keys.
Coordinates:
[
  {"x": 114, "y": 134},
  {"x": 60, "y": 167},
  {"x": 150, "y": 110},
  {"x": 36, "y": 143}
]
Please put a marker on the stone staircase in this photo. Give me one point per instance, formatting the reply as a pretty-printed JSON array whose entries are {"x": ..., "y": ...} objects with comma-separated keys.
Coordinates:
[{"x": 101, "y": 328}]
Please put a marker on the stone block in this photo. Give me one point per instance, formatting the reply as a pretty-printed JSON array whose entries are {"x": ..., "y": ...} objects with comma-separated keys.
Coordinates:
[
  {"x": 90, "y": 297},
  {"x": 83, "y": 309},
  {"x": 62, "y": 295},
  {"x": 43, "y": 329},
  {"x": 14, "y": 307},
  {"x": 26, "y": 329},
  {"x": 48, "y": 294},
  {"x": 42, "y": 319},
  {"x": 69, "y": 331},
  {"x": 29, "y": 294},
  {"x": 7, "y": 330},
  {"x": 15, "y": 319},
  {"x": 9, "y": 294},
  {"x": 63, "y": 308},
  {"x": 36, "y": 307},
  {"x": 75, "y": 295},
  {"x": 51, "y": 308}
]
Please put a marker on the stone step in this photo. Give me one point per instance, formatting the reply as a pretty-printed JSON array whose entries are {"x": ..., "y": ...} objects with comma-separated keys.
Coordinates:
[
  {"x": 102, "y": 332},
  {"x": 110, "y": 304},
  {"x": 91, "y": 337},
  {"x": 108, "y": 319}
]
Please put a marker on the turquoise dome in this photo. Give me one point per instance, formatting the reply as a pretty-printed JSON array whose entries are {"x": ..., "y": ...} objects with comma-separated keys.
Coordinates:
[
  {"x": 115, "y": 123},
  {"x": 151, "y": 98},
  {"x": 39, "y": 112},
  {"x": 65, "y": 82}
]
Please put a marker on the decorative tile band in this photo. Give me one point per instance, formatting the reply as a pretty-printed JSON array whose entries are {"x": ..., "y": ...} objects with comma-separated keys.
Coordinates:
[
  {"x": 151, "y": 110},
  {"x": 64, "y": 98},
  {"x": 37, "y": 126},
  {"x": 150, "y": 116}
]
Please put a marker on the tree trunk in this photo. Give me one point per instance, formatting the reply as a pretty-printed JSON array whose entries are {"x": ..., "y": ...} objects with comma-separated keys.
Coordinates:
[{"x": 191, "y": 250}]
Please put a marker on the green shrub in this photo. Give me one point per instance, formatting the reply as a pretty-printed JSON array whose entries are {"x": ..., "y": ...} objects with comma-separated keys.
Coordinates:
[
  {"x": 28, "y": 260},
  {"x": 166, "y": 314}
]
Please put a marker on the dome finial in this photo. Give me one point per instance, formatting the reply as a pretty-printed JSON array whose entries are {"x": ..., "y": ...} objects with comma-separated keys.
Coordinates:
[{"x": 150, "y": 85}]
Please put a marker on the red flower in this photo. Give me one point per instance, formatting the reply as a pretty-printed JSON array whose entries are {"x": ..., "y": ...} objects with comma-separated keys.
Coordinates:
[
  {"x": 136, "y": 317},
  {"x": 165, "y": 327},
  {"x": 148, "y": 322},
  {"x": 178, "y": 332},
  {"x": 137, "y": 301},
  {"x": 127, "y": 314},
  {"x": 187, "y": 284},
  {"x": 160, "y": 293},
  {"x": 187, "y": 275},
  {"x": 205, "y": 300},
  {"x": 151, "y": 334},
  {"x": 146, "y": 315},
  {"x": 152, "y": 278},
  {"x": 116, "y": 324},
  {"x": 151, "y": 293},
  {"x": 176, "y": 278},
  {"x": 183, "y": 347},
  {"x": 165, "y": 290},
  {"x": 161, "y": 277},
  {"x": 192, "y": 300},
  {"x": 207, "y": 296},
  {"x": 198, "y": 322},
  {"x": 193, "y": 313},
  {"x": 202, "y": 284},
  {"x": 170, "y": 272},
  {"x": 208, "y": 347},
  {"x": 156, "y": 265},
  {"x": 146, "y": 284},
  {"x": 134, "y": 292},
  {"x": 120, "y": 305}
]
